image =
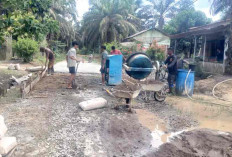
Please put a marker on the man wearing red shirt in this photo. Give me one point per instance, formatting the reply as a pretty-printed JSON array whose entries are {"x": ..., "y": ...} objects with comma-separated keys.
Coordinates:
[{"x": 115, "y": 52}]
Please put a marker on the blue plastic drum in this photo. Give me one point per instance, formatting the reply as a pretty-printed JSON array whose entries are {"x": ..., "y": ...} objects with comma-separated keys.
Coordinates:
[{"x": 180, "y": 82}]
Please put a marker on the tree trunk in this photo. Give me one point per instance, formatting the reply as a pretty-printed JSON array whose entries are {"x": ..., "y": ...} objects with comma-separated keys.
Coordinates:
[{"x": 161, "y": 23}]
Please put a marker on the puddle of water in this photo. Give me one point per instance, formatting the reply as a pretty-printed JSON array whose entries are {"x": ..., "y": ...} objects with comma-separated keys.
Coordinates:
[
  {"x": 156, "y": 126},
  {"x": 211, "y": 117}
]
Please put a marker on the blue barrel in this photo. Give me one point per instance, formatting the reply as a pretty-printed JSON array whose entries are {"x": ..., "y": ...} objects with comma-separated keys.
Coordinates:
[{"x": 180, "y": 82}]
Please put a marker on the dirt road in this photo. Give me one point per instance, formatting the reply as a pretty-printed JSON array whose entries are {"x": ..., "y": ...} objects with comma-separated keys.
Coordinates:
[
  {"x": 49, "y": 123},
  {"x": 94, "y": 68},
  {"x": 54, "y": 125}
]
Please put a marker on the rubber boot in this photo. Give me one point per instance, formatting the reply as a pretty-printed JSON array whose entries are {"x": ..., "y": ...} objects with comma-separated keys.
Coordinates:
[
  {"x": 172, "y": 91},
  {"x": 49, "y": 71},
  {"x": 52, "y": 71}
]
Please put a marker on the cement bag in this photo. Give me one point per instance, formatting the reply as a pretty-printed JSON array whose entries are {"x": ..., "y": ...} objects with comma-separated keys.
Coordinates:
[
  {"x": 7, "y": 144},
  {"x": 93, "y": 104},
  {"x": 3, "y": 128}
]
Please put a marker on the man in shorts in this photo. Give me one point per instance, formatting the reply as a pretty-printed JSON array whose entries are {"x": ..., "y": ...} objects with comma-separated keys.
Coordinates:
[
  {"x": 50, "y": 59},
  {"x": 103, "y": 62},
  {"x": 72, "y": 62}
]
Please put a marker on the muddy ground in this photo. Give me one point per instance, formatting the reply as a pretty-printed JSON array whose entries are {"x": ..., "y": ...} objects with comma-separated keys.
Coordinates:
[
  {"x": 50, "y": 123},
  {"x": 190, "y": 144}
]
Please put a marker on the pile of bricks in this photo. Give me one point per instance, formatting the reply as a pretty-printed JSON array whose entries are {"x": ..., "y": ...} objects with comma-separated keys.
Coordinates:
[{"x": 6, "y": 143}]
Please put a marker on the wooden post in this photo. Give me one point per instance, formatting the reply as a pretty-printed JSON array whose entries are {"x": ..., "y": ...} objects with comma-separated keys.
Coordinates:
[
  {"x": 195, "y": 47},
  {"x": 226, "y": 47},
  {"x": 204, "y": 52},
  {"x": 175, "y": 46}
]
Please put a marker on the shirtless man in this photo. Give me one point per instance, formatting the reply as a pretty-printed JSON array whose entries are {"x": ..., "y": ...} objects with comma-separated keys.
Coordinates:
[{"x": 50, "y": 59}]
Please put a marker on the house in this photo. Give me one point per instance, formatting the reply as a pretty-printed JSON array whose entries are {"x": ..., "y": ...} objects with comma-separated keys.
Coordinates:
[
  {"x": 208, "y": 41},
  {"x": 6, "y": 49},
  {"x": 147, "y": 37}
]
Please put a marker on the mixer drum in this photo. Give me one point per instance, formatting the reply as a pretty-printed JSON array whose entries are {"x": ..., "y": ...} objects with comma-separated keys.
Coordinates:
[{"x": 139, "y": 60}]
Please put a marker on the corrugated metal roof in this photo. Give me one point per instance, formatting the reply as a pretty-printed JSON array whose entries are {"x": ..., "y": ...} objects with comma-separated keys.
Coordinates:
[
  {"x": 203, "y": 30},
  {"x": 139, "y": 33}
]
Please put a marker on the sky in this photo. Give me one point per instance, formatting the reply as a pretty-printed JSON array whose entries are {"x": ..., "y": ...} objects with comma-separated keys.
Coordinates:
[{"x": 202, "y": 5}]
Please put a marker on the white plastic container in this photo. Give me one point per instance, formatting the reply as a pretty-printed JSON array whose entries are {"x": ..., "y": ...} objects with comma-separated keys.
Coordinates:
[
  {"x": 7, "y": 144},
  {"x": 93, "y": 104},
  {"x": 3, "y": 128}
]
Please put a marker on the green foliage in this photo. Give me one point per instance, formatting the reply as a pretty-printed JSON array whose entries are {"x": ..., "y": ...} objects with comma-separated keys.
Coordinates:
[
  {"x": 108, "y": 21},
  {"x": 222, "y": 6},
  {"x": 85, "y": 51},
  {"x": 26, "y": 25},
  {"x": 181, "y": 23},
  {"x": 38, "y": 19},
  {"x": 114, "y": 43},
  {"x": 26, "y": 48},
  {"x": 38, "y": 7},
  {"x": 157, "y": 12},
  {"x": 27, "y": 19},
  {"x": 57, "y": 46},
  {"x": 156, "y": 54},
  {"x": 185, "y": 20},
  {"x": 65, "y": 12}
]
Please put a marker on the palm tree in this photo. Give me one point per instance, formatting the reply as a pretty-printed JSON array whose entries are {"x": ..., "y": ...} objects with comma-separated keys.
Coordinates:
[
  {"x": 109, "y": 20},
  {"x": 160, "y": 11},
  {"x": 65, "y": 12},
  {"x": 222, "y": 6},
  {"x": 163, "y": 9}
]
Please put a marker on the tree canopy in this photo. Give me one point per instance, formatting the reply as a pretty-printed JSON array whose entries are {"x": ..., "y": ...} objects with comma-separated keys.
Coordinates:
[
  {"x": 37, "y": 19},
  {"x": 158, "y": 12},
  {"x": 185, "y": 20},
  {"x": 109, "y": 20},
  {"x": 224, "y": 6}
]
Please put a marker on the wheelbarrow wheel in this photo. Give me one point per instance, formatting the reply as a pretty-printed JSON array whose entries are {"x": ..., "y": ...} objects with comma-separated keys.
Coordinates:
[
  {"x": 159, "y": 97},
  {"x": 162, "y": 94}
]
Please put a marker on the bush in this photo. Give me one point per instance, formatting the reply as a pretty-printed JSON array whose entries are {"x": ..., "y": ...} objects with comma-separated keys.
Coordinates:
[
  {"x": 109, "y": 45},
  {"x": 85, "y": 51},
  {"x": 156, "y": 54},
  {"x": 26, "y": 48}
]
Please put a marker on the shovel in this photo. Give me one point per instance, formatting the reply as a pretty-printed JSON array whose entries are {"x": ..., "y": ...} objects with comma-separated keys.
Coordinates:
[{"x": 74, "y": 83}]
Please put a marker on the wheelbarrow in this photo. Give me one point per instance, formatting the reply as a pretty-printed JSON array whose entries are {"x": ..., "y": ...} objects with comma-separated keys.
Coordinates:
[
  {"x": 130, "y": 92},
  {"x": 139, "y": 67},
  {"x": 157, "y": 89}
]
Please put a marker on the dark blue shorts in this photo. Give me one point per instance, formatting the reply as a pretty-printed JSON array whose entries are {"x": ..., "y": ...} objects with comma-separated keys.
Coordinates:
[
  {"x": 72, "y": 70},
  {"x": 102, "y": 70}
]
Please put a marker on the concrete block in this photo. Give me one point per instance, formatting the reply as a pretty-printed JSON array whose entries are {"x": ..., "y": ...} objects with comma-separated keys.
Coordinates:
[
  {"x": 93, "y": 104},
  {"x": 7, "y": 144},
  {"x": 3, "y": 128}
]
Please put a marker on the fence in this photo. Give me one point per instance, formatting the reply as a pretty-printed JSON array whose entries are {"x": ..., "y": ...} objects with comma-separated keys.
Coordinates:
[{"x": 215, "y": 68}]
